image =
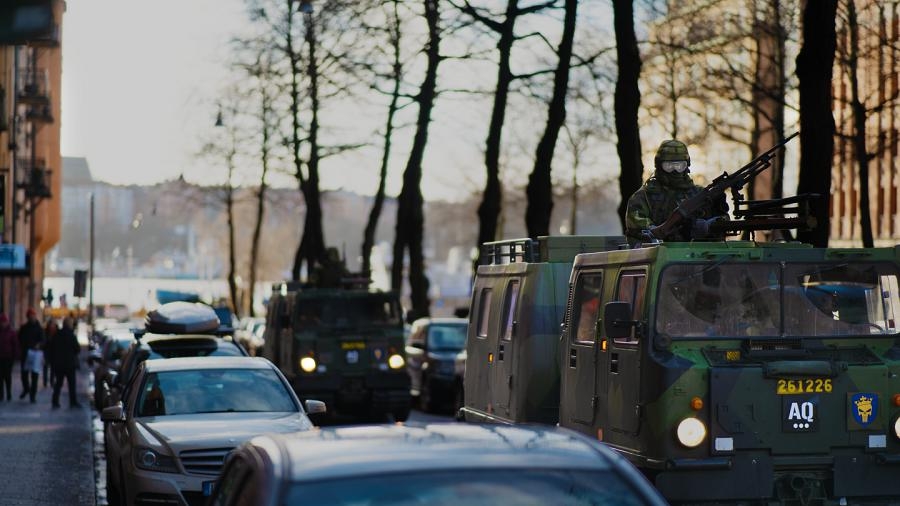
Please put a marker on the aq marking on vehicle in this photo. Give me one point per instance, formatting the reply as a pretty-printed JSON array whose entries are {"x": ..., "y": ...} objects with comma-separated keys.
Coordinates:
[{"x": 800, "y": 414}]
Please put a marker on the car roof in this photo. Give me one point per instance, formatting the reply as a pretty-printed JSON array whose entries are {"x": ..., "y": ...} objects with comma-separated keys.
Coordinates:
[
  {"x": 341, "y": 452},
  {"x": 192, "y": 363}
]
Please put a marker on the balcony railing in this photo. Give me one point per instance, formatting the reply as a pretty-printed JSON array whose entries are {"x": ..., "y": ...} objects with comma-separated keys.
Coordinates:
[
  {"x": 33, "y": 87},
  {"x": 34, "y": 179}
]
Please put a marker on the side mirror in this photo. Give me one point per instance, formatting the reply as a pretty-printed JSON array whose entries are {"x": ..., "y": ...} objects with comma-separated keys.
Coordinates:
[
  {"x": 113, "y": 414},
  {"x": 617, "y": 319},
  {"x": 315, "y": 407},
  {"x": 111, "y": 375}
]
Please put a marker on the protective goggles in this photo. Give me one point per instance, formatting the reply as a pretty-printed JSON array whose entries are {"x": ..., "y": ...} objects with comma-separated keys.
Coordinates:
[{"x": 678, "y": 166}]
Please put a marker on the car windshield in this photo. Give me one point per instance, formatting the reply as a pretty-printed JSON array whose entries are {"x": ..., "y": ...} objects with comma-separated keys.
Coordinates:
[
  {"x": 481, "y": 487},
  {"x": 450, "y": 337},
  {"x": 194, "y": 348},
  {"x": 778, "y": 300},
  {"x": 347, "y": 311},
  {"x": 213, "y": 391}
]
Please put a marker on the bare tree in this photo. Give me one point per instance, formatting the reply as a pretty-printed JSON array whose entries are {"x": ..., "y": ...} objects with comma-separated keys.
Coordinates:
[
  {"x": 540, "y": 187},
  {"x": 628, "y": 100},
  {"x": 410, "y": 214},
  {"x": 814, "y": 70}
]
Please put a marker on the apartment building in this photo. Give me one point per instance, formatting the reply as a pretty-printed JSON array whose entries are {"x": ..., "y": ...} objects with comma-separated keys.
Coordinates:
[{"x": 30, "y": 159}]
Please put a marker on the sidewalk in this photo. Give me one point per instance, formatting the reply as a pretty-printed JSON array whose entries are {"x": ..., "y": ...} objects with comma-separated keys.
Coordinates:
[{"x": 46, "y": 454}]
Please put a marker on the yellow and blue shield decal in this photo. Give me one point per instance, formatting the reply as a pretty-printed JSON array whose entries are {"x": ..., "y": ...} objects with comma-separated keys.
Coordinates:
[{"x": 863, "y": 408}]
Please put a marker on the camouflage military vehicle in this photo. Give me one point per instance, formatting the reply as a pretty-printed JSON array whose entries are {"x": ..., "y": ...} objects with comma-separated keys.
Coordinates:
[
  {"x": 741, "y": 371},
  {"x": 518, "y": 303},
  {"x": 342, "y": 344}
]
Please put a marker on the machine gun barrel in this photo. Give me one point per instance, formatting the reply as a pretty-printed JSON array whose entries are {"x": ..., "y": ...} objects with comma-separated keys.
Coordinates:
[{"x": 692, "y": 206}]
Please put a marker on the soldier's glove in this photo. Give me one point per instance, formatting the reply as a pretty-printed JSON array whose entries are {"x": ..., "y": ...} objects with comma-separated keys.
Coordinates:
[{"x": 700, "y": 227}]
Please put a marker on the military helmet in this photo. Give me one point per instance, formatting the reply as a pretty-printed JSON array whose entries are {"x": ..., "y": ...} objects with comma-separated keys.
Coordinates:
[{"x": 671, "y": 151}]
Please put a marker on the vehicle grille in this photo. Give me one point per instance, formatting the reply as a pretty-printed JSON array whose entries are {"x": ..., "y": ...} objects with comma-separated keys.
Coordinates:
[
  {"x": 150, "y": 499},
  {"x": 208, "y": 461}
]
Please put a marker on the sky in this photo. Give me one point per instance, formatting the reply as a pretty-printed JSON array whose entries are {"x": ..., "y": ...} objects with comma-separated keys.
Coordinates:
[{"x": 137, "y": 82}]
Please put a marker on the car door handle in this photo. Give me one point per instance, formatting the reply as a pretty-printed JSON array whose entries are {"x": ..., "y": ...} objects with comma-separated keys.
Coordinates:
[
  {"x": 573, "y": 357},
  {"x": 500, "y": 353},
  {"x": 614, "y": 362}
]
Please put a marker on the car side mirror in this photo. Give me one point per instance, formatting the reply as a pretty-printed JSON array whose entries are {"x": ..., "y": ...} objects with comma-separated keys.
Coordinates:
[
  {"x": 315, "y": 407},
  {"x": 617, "y": 319},
  {"x": 112, "y": 375},
  {"x": 113, "y": 414}
]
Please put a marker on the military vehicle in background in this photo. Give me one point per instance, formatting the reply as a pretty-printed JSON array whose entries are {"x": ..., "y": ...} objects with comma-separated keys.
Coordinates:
[
  {"x": 728, "y": 371},
  {"x": 339, "y": 341}
]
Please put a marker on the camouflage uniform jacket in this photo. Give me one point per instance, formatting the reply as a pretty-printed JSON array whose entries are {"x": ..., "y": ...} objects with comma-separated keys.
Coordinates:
[{"x": 657, "y": 199}]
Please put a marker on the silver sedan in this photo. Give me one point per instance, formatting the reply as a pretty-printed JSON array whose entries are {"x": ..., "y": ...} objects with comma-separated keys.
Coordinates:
[{"x": 167, "y": 441}]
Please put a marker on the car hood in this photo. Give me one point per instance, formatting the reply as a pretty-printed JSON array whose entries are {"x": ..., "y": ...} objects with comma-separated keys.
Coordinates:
[{"x": 219, "y": 430}]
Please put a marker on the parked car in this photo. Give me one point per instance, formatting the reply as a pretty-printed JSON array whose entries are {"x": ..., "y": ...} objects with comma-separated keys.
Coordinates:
[
  {"x": 249, "y": 333},
  {"x": 177, "y": 329},
  {"x": 435, "y": 464},
  {"x": 166, "y": 441},
  {"x": 436, "y": 361},
  {"x": 106, "y": 361}
]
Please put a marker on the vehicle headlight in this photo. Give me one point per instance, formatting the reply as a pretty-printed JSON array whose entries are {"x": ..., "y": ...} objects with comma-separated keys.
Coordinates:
[
  {"x": 150, "y": 460},
  {"x": 396, "y": 361},
  {"x": 897, "y": 427},
  {"x": 308, "y": 364},
  {"x": 691, "y": 432}
]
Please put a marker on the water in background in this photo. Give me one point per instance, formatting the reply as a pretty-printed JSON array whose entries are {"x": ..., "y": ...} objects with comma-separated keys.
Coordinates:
[{"x": 140, "y": 293}]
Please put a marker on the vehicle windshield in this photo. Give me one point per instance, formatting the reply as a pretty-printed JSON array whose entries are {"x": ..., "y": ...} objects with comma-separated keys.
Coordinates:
[
  {"x": 481, "y": 487},
  {"x": 213, "y": 391},
  {"x": 451, "y": 337},
  {"x": 778, "y": 300},
  {"x": 347, "y": 311}
]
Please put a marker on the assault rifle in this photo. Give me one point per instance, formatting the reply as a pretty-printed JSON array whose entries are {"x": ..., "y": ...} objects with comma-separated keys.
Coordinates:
[{"x": 754, "y": 215}]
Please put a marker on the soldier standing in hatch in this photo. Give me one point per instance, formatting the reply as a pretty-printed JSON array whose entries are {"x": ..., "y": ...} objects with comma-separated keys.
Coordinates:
[{"x": 655, "y": 201}]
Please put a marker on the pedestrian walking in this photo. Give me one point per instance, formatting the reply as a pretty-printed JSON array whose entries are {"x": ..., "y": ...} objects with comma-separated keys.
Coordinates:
[
  {"x": 34, "y": 364},
  {"x": 9, "y": 350},
  {"x": 31, "y": 333},
  {"x": 49, "y": 331},
  {"x": 65, "y": 350}
]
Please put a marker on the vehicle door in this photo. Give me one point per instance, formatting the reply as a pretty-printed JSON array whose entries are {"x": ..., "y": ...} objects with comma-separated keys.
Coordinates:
[
  {"x": 416, "y": 355},
  {"x": 479, "y": 348},
  {"x": 624, "y": 368},
  {"x": 502, "y": 380},
  {"x": 580, "y": 367},
  {"x": 117, "y": 435}
]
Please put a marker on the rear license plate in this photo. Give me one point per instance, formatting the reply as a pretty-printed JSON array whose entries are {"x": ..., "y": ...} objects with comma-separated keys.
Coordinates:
[
  {"x": 353, "y": 345},
  {"x": 208, "y": 488},
  {"x": 803, "y": 386}
]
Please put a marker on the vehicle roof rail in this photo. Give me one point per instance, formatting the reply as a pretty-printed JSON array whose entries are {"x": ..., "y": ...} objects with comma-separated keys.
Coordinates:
[{"x": 509, "y": 251}]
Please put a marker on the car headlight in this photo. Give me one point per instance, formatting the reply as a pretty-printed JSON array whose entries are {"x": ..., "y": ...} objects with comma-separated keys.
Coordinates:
[
  {"x": 396, "y": 361},
  {"x": 308, "y": 364},
  {"x": 897, "y": 427},
  {"x": 150, "y": 460},
  {"x": 691, "y": 432}
]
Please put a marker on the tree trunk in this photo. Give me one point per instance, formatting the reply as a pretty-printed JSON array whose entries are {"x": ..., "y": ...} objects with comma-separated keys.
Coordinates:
[
  {"x": 814, "y": 71},
  {"x": 266, "y": 110},
  {"x": 492, "y": 200},
  {"x": 295, "y": 141},
  {"x": 627, "y": 102},
  {"x": 540, "y": 189},
  {"x": 859, "y": 131},
  {"x": 312, "y": 244},
  {"x": 410, "y": 213},
  {"x": 232, "y": 254},
  {"x": 378, "y": 204}
]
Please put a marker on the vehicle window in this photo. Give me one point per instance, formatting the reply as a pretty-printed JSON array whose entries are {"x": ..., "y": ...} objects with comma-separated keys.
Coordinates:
[
  {"x": 586, "y": 306},
  {"x": 484, "y": 312},
  {"x": 213, "y": 391},
  {"x": 510, "y": 305},
  {"x": 452, "y": 488},
  {"x": 232, "y": 480},
  {"x": 775, "y": 300},
  {"x": 347, "y": 311},
  {"x": 631, "y": 289},
  {"x": 446, "y": 337}
]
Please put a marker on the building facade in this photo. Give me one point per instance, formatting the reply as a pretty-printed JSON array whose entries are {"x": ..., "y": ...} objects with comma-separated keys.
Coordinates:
[{"x": 30, "y": 158}]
